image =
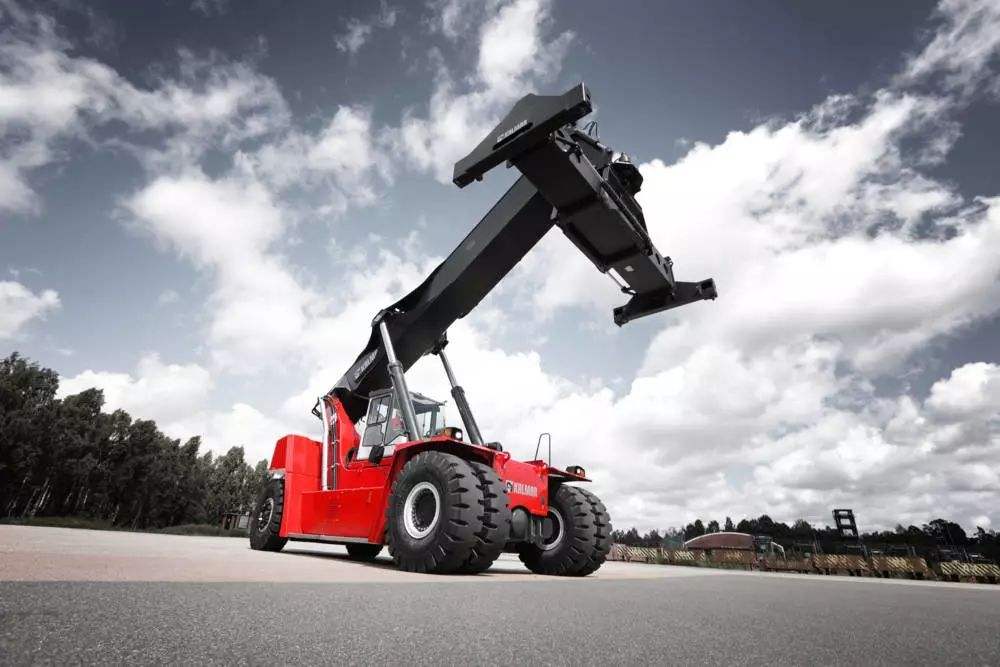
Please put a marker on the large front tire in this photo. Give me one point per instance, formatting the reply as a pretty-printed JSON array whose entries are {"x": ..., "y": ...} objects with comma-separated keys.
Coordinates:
[
  {"x": 265, "y": 522},
  {"x": 570, "y": 536},
  {"x": 495, "y": 516},
  {"x": 433, "y": 516}
]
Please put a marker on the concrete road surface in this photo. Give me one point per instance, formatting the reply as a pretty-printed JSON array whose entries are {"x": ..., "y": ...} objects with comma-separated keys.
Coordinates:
[{"x": 92, "y": 596}]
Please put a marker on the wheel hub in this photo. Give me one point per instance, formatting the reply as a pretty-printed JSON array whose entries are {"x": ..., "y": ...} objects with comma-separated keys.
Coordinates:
[
  {"x": 553, "y": 529},
  {"x": 264, "y": 514},
  {"x": 421, "y": 510}
]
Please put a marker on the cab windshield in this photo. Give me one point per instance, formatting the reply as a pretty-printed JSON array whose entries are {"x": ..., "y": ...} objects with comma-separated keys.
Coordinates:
[{"x": 384, "y": 421}]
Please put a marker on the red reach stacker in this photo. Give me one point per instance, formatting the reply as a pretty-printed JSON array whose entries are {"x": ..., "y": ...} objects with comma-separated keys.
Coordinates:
[{"x": 387, "y": 470}]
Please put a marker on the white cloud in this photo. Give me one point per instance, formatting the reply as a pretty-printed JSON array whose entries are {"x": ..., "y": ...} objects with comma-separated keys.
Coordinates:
[
  {"x": 210, "y": 7},
  {"x": 354, "y": 36},
  {"x": 15, "y": 194},
  {"x": 168, "y": 296},
  {"x": 371, "y": 279},
  {"x": 357, "y": 32},
  {"x": 228, "y": 227},
  {"x": 731, "y": 434},
  {"x": 453, "y": 18},
  {"x": 971, "y": 390},
  {"x": 512, "y": 49},
  {"x": 155, "y": 390},
  {"x": 49, "y": 97},
  {"x": 514, "y": 55},
  {"x": 961, "y": 48},
  {"x": 177, "y": 397},
  {"x": 342, "y": 161},
  {"x": 19, "y": 305},
  {"x": 242, "y": 425}
]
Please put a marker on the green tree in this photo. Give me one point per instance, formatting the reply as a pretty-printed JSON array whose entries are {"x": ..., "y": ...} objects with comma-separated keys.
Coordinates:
[
  {"x": 27, "y": 418},
  {"x": 693, "y": 530}
]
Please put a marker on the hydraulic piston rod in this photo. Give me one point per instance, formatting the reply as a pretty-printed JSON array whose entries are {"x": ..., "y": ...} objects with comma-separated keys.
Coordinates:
[
  {"x": 475, "y": 437},
  {"x": 399, "y": 384}
]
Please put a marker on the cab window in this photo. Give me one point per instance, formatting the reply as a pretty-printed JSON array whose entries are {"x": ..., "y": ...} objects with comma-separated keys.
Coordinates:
[
  {"x": 378, "y": 417},
  {"x": 396, "y": 430}
]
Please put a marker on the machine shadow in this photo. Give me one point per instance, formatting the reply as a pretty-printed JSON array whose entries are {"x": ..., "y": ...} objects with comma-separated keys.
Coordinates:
[
  {"x": 384, "y": 563},
  {"x": 325, "y": 555}
]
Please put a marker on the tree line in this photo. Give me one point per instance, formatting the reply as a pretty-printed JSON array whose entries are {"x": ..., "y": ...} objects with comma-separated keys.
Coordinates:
[
  {"x": 935, "y": 534},
  {"x": 67, "y": 457}
]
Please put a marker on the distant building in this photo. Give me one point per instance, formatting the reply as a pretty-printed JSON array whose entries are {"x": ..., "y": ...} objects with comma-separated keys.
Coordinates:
[
  {"x": 734, "y": 542},
  {"x": 738, "y": 541}
]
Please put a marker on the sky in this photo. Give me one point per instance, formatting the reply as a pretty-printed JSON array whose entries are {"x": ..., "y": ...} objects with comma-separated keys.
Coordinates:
[{"x": 202, "y": 205}]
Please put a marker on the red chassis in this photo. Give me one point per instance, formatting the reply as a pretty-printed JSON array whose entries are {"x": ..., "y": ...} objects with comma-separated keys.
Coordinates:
[{"x": 354, "y": 508}]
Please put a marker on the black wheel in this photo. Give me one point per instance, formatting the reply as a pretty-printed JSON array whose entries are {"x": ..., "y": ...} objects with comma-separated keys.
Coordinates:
[
  {"x": 265, "y": 522},
  {"x": 602, "y": 533},
  {"x": 433, "y": 516},
  {"x": 569, "y": 536},
  {"x": 495, "y": 516},
  {"x": 363, "y": 552}
]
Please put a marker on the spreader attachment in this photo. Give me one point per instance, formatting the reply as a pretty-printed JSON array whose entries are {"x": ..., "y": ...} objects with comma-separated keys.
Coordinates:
[{"x": 592, "y": 191}]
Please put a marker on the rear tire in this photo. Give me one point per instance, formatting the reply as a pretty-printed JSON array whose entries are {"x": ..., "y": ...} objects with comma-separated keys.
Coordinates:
[
  {"x": 495, "y": 516},
  {"x": 364, "y": 553},
  {"x": 572, "y": 537},
  {"x": 265, "y": 522},
  {"x": 433, "y": 516},
  {"x": 602, "y": 534}
]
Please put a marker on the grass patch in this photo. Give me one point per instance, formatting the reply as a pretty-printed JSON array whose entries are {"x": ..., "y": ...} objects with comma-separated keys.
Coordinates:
[
  {"x": 203, "y": 529},
  {"x": 62, "y": 522}
]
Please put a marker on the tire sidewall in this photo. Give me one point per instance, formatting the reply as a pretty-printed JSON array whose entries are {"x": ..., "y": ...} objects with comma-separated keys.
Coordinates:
[
  {"x": 415, "y": 473},
  {"x": 570, "y": 556},
  {"x": 269, "y": 537}
]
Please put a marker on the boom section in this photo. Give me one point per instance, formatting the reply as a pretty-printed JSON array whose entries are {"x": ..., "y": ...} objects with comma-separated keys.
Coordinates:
[
  {"x": 568, "y": 179},
  {"x": 417, "y": 321}
]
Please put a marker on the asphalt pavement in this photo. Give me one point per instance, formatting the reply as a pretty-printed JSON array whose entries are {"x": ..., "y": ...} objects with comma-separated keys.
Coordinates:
[{"x": 311, "y": 605}]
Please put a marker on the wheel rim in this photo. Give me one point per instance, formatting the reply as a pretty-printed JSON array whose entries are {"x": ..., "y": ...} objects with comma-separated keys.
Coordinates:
[
  {"x": 553, "y": 530},
  {"x": 421, "y": 510},
  {"x": 264, "y": 514}
]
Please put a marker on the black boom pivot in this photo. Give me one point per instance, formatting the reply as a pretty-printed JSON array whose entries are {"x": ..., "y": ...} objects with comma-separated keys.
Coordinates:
[{"x": 568, "y": 179}]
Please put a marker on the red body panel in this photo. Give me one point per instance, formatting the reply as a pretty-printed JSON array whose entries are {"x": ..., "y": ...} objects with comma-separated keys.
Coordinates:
[{"x": 355, "y": 507}]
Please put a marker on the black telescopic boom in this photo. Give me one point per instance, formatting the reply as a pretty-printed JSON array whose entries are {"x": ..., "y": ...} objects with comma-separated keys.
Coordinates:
[
  {"x": 416, "y": 322},
  {"x": 568, "y": 179}
]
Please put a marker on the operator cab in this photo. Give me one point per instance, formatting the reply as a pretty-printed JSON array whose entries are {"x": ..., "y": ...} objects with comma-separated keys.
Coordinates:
[{"x": 384, "y": 425}]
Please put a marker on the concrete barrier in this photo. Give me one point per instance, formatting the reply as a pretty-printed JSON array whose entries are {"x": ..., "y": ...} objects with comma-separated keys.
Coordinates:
[
  {"x": 684, "y": 557},
  {"x": 635, "y": 554},
  {"x": 779, "y": 564},
  {"x": 853, "y": 565},
  {"x": 912, "y": 566},
  {"x": 732, "y": 558},
  {"x": 977, "y": 572}
]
